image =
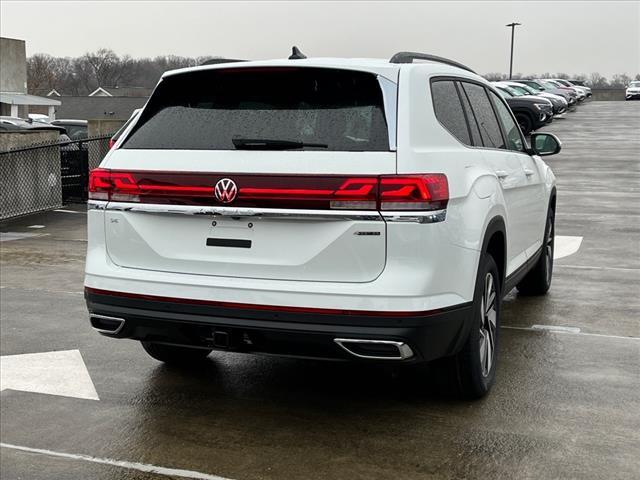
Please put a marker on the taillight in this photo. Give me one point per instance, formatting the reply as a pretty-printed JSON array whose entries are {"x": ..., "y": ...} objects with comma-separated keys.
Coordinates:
[
  {"x": 388, "y": 192},
  {"x": 100, "y": 185},
  {"x": 414, "y": 192}
]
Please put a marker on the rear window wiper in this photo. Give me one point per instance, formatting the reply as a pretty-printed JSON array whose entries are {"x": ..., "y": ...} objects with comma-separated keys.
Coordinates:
[{"x": 271, "y": 144}]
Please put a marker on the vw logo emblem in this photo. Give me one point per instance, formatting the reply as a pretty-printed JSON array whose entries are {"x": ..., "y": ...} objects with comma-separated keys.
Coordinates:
[{"x": 226, "y": 190}]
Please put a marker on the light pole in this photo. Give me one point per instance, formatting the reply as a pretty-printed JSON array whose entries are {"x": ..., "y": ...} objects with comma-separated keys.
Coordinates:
[{"x": 513, "y": 30}]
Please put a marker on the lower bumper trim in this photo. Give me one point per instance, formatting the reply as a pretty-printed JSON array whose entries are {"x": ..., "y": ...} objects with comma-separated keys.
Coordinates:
[{"x": 417, "y": 337}]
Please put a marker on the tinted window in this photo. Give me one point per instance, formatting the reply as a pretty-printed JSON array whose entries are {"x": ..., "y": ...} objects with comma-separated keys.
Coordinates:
[
  {"x": 514, "y": 140},
  {"x": 487, "y": 121},
  {"x": 325, "y": 109},
  {"x": 448, "y": 109},
  {"x": 473, "y": 123},
  {"x": 76, "y": 132}
]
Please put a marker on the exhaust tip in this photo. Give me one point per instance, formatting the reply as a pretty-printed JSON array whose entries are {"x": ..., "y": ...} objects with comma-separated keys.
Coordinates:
[
  {"x": 106, "y": 324},
  {"x": 375, "y": 349}
]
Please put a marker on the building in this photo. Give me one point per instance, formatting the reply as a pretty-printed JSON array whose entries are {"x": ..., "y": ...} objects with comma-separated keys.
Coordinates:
[
  {"x": 99, "y": 107},
  {"x": 121, "y": 92},
  {"x": 14, "y": 100}
]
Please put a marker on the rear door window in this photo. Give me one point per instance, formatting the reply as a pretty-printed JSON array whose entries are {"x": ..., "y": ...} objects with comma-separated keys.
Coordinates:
[
  {"x": 448, "y": 109},
  {"x": 486, "y": 117},
  {"x": 267, "y": 108},
  {"x": 471, "y": 118}
]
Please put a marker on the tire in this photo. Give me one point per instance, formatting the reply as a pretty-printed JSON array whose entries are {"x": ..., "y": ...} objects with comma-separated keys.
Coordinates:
[
  {"x": 525, "y": 122},
  {"x": 476, "y": 362},
  {"x": 175, "y": 355},
  {"x": 538, "y": 280}
]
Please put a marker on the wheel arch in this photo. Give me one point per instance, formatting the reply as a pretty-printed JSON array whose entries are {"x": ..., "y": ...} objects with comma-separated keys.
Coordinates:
[{"x": 495, "y": 243}]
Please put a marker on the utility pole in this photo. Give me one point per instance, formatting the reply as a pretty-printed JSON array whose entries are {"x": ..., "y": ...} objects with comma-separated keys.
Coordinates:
[{"x": 513, "y": 30}]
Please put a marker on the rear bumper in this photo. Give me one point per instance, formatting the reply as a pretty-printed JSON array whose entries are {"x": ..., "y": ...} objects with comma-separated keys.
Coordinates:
[{"x": 309, "y": 333}]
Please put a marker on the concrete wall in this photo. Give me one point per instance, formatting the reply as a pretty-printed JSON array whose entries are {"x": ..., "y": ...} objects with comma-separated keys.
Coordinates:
[
  {"x": 13, "y": 65},
  {"x": 17, "y": 140},
  {"x": 100, "y": 128},
  {"x": 608, "y": 93}
]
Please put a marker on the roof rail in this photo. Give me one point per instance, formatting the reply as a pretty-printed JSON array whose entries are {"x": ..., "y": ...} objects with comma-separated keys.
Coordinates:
[{"x": 409, "y": 57}]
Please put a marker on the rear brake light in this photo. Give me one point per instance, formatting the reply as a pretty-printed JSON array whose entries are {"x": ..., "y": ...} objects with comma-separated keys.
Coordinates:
[
  {"x": 388, "y": 192},
  {"x": 414, "y": 192}
]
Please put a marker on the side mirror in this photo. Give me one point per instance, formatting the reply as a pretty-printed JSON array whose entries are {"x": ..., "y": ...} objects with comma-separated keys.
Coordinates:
[{"x": 544, "y": 144}]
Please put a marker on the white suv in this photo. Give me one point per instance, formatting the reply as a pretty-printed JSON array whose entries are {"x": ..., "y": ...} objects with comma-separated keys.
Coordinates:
[{"x": 324, "y": 208}]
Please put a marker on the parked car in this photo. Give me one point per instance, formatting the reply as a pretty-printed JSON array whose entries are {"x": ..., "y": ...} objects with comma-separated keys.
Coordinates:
[
  {"x": 39, "y": 117},
  {"x": 321, "y": 208},
  {"x": 632, "y": 91},
  {"x": 580, "y": 88},
  {"x": 559, "y": 104},
  {"x": 20, "y": 124},
  {"x": 531, "y": 112},
  {"x": 579, "y": 92},
  {"x": 16, "y": 124},
  {"x": 76, "y": 129},
  {"x": 569, "y": 95}
]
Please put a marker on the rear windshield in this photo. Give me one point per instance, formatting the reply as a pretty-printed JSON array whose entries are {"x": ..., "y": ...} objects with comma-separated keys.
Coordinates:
[{"x": 273, "y": 108}]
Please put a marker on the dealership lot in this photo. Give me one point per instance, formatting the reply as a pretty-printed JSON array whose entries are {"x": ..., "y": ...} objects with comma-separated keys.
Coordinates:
[{"x": 564, "y": 405}]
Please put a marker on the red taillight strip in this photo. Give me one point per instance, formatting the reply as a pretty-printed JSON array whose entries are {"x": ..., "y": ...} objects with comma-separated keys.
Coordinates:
[
  {"x": 421, "y": 192},
  {"x": 272, "y": 308}
]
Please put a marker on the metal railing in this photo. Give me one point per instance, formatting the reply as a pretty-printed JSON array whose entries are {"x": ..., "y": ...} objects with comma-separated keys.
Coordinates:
[{"x": 46, "y": 176}]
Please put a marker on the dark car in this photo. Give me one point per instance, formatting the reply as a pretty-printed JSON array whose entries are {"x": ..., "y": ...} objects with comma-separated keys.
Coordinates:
[
  {"x": 570, "y": 96},
  {"x": 518, "y": 89},
  {"x": 76, "y": 129},
  {"x": 531, "y": 113}
]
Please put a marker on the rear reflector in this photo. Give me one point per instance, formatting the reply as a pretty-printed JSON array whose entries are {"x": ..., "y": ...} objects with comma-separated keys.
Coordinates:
[{"x": 387, "y": 192}]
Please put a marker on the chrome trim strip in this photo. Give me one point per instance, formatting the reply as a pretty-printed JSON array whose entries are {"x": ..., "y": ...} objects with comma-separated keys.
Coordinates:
[
  {"x": 97, "y": 205},
  {"x": 239, "y": 212},
  {"x": 415, "y": 217},
  {"x": 245, "y": 212},
  {"x": 106, "y": 317},
  {"x": 404, "y": 350}
]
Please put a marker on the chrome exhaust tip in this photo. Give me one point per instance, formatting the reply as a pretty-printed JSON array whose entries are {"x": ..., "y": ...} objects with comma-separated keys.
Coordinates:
[
  {"x": 375, "y": 349},
  {"x": 106, "y": 324}
]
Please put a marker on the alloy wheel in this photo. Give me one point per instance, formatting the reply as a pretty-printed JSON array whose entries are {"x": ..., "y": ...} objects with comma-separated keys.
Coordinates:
[
  {"x": 489, "y": 313},
  {"x": 549, "y": 249}
]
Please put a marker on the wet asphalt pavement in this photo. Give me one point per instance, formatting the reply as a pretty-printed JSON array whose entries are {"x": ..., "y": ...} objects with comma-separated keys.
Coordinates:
[{"x": 565, "y": 405}]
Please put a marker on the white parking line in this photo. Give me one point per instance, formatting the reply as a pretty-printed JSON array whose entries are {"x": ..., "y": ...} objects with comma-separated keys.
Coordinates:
[
  {"x": 142, "y": 467},
  {"x": 566, "y": 331},
  {"x": 597, "y": 267},
  {"x": 41, "y": 290}
]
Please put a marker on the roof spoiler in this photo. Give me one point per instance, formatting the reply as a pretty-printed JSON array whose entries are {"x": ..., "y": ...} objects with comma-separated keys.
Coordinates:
[
  {"x": 215, "y": 61},
  {"x": 409, "y": 57}
]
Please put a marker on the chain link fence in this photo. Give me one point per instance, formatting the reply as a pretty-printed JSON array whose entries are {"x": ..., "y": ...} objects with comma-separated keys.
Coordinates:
[{"x": 42, "y": 177}]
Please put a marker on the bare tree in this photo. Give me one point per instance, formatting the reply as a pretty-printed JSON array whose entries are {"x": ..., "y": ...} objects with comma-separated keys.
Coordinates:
[
  {"x": 598, "y": 81},
  {"x": 106, "y": 68},
  {"x": 41, "y": 73},
  {"x": 620, "y": 80}
]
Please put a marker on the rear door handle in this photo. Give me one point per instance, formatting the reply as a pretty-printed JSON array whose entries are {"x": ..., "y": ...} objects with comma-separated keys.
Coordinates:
[
  {"x": 528, "y": 172},
  {"x": 501, "y": 174}
]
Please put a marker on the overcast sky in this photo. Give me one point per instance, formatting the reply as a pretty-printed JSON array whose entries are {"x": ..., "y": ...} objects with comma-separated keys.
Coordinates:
[{"x": 572, "y": 37}]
